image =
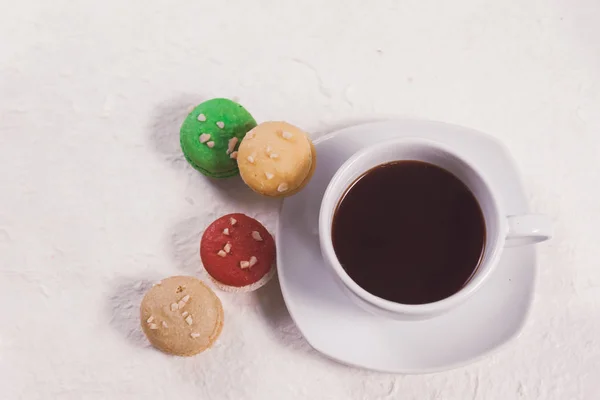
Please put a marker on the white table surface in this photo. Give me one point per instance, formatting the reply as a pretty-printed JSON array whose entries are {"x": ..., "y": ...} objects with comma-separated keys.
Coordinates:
[{"x": 95, "y": 198}]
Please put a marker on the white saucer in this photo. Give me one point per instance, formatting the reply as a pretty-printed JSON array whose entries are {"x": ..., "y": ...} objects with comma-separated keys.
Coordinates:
[{"x": 336, "y": 327}]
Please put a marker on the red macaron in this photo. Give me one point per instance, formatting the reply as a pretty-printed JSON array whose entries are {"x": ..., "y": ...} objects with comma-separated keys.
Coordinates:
[{"x": 238, "y": 252}]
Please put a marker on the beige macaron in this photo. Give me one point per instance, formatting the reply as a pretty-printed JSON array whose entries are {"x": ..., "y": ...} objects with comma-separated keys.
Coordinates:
[
  {"x": 276, "y": 159},
  {"x": 181, "y": 316}
]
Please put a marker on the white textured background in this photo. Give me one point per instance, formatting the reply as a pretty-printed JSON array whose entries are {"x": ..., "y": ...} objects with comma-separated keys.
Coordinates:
[{"x": 95, "y": 198}]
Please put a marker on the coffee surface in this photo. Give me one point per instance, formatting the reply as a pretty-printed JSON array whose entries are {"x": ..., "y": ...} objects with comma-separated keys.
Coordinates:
[{"x": 410, "y": 232}]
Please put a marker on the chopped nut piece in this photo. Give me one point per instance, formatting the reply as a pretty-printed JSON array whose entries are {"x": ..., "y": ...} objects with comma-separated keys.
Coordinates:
[
  {"x": 201, "y": 117},
  {"x": 221, "y": 253},
  {"x": 269, "y": 175},
  {"x": 256, "y": 236},
  {"x": 164, "y": 324},
  {"x": 231, "y": 144},
  {"x": 233, "y": 155},
  {"x": 194, "y": 335},
  {"x": 274, "y": 155},
  {"x": 185, "y": 314},
  {"x": 150, "y": 319},
  {"x": 210, "y": 144},
  {"x": 189, "y": 320},
  {"x": 286, "y": 135},
  {"x": 221, "y": 124},
  {"x": 227, "y": 248},
  {"x": 186, "y": 298},
  {"x": 174, "y": 307},
  {"x": 153, "y": 326},
  {"x": 205, "y": 137},
  {"x": 232, "y": 221},
  {"x": 244, "y": 264},
  {"x": 226, "y": 231},
  {"x": 251, "y": 159},
  {"x": 282, "y": 187},
  {"x": 253, "y": 261}
]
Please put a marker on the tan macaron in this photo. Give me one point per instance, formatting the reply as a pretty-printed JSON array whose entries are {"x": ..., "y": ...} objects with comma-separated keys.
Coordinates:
[
  {"x": 181, "y": 316},
  {"x": 276, "y": 159}
]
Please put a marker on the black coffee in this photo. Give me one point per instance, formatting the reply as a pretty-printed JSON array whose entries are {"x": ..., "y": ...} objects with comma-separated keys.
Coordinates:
[{"x": 409, "y": 232}]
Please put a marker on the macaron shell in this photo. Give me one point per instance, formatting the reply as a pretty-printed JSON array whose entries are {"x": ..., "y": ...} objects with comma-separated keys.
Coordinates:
[
  {"x": 313, "y": 167},
  {"x": 248, "y": 288},
  {"x": 276, "y": 159},
  {"x": 215, "y": 162},
  {"x": 210, "y": 174},
  {"x": 304, "y": 182},
  {"x": 167, "y": 329},
  {"x": 225, "y": 268}
]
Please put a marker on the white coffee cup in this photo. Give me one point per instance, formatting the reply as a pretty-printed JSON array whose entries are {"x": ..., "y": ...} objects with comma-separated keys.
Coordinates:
[{"x": 502, "y": 230}]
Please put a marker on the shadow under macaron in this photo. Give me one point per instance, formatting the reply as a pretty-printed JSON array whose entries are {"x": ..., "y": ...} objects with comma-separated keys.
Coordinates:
[
  {"x": 124, "y": 307},
  {"x": 165, "y": 124}
]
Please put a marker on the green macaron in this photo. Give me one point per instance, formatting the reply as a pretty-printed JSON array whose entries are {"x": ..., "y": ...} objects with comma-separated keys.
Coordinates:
[{"x": 211, "y": 134}]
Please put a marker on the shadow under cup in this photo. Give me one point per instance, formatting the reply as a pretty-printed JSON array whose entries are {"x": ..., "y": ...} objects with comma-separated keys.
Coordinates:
[{"x": 426, "y": 152}]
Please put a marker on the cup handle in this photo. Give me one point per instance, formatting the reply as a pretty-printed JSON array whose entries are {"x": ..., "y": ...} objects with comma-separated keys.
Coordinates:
[{"x": 528, "y": 229}]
